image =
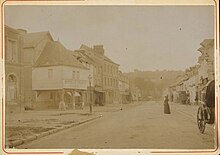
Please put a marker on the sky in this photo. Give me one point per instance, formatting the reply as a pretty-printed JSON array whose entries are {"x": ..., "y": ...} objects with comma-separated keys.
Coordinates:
[{"x": 136, "y": 37}]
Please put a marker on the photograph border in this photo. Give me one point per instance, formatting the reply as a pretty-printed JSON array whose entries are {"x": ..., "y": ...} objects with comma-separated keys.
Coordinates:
[{"x": 88, "y": 3}]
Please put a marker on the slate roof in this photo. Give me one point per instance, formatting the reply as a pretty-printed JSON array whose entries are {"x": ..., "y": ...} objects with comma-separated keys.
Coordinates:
[
  {"x": 109, "y": 60},
  {"x": 86, "y": 48},
  {"x": 55, "y": 54},
  {"x": 82, "y": 57},
  {"x": 32, "y": 39}
]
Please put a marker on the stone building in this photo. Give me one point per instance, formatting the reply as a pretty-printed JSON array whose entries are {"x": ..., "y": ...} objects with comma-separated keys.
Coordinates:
[
  {"x": 124, "y": 90},
  {"x": 14, "y": 79},
  {"x": 108, "y": 71},
  {"x": 94, "y": 65},
  {"x": 22, "y": 49}
]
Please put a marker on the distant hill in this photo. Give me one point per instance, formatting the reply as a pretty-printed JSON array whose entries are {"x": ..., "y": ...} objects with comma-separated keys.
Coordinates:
[{"x": 153, "y": 83}]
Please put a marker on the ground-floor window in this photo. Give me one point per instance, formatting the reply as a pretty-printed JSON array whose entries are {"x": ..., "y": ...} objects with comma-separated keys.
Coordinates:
[{"x": 11, "y": 88}]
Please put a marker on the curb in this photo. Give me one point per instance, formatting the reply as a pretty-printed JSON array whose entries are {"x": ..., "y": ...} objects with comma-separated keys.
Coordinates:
[{"x": 43, "y": 134}]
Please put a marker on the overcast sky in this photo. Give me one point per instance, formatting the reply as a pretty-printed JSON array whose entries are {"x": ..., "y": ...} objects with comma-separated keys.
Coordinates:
[{"x": 136, "y": 37}]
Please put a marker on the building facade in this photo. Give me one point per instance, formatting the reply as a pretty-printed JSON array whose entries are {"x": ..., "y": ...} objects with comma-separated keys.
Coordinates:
[
  {"x": 63, "y": 78},
  {"x": 106, "y": 74},
  {"x": 190, "y": 87},
  {"x": 14, "y": 79},
  {"x": 34, "y": 44},
  {"x": 124, "y": 89}
]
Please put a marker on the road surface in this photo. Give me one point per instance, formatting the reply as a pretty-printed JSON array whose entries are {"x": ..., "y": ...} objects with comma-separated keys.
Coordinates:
[{"x": 139, "y": 127}]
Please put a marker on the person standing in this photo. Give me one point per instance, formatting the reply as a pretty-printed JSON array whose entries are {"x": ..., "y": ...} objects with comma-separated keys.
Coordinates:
[{"x": 166, "y": 105}]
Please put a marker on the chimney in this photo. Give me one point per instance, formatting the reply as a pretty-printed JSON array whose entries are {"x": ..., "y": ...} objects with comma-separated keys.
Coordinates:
[{"x": 99, "y": 49}]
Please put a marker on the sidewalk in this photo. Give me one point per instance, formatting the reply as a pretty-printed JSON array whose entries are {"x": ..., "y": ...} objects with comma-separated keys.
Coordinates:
[{"x": 30, "y": 125}]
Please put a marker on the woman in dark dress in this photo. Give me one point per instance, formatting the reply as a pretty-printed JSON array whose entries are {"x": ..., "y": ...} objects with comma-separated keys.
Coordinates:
[{"x": 166, "y": 105}]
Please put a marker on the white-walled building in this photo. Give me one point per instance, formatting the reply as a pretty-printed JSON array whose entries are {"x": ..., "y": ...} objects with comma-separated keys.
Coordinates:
[
  {"x": 124, "y": 90},
  {"x": 56, "y": 75},
  {"x": 193, "y": 82}
]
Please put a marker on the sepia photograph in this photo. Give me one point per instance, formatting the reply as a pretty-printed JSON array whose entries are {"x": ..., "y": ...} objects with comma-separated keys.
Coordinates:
[{"x": 109, "y": 77}]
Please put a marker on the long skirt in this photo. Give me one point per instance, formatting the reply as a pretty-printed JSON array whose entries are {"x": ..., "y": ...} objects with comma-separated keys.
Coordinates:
[{"x": 167, "y": 108}]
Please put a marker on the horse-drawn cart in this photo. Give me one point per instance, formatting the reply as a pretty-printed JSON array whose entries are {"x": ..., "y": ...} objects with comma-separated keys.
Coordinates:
[{"x": 206, "y": 110}]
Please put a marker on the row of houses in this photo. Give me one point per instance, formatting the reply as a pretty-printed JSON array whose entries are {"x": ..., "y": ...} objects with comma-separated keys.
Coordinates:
[
  {"x": 41, "y": 73},
  {"x": 189, "y": 87}
]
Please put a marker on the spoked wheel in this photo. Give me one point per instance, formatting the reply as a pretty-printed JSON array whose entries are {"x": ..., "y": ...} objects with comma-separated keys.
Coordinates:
[{"x": 201, "y": 119}]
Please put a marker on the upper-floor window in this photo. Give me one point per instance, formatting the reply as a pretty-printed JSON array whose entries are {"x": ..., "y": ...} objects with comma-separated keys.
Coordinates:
[
  {"x": 50, "y": 73},
  {"x": 74, "y": 75},
  {"x": 108, "y": 69},
  {"x": 77, "y": 75},
  {"x": 105, "y": 68},
  {"x": 12, "y": 53}
]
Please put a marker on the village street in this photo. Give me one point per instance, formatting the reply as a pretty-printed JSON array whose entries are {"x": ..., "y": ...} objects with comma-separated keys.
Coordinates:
[{"x": 142, "y": 126}]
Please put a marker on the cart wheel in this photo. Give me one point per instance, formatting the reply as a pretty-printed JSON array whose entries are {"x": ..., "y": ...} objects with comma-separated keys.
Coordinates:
[{"x": 201, "y": 119}]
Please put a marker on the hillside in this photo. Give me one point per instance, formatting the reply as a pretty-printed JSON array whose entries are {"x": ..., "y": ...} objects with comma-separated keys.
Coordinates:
[{"x": 152, "y": 83}]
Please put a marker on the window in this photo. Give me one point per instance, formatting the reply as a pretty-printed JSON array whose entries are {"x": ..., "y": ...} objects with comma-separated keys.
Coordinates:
[
  {"x": 50, "y": 73},
  {"x": 11, "y": 88},
  {"x": 12, "y": 51},
  {"x": 74, "y": 75},
  {"x": 77, "y": 75}
]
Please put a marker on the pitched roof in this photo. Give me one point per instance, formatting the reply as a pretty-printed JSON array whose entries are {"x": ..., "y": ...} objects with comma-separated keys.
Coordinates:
[
  {"x": 206, "y": 42},
  {"x": 86, "y": 48},
  {"x": 96, "y": 59},
  {"x": 8, "y": 28},
  {"x": 81, "y": 56},
  {"x": 32, "y": 39},
  {"x": 55, "y": 54},
  {"x": 109, "y": 60}
]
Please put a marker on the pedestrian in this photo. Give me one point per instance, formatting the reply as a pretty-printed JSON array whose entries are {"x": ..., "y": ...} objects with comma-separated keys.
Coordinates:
[{"x": 166, "y": 105}]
